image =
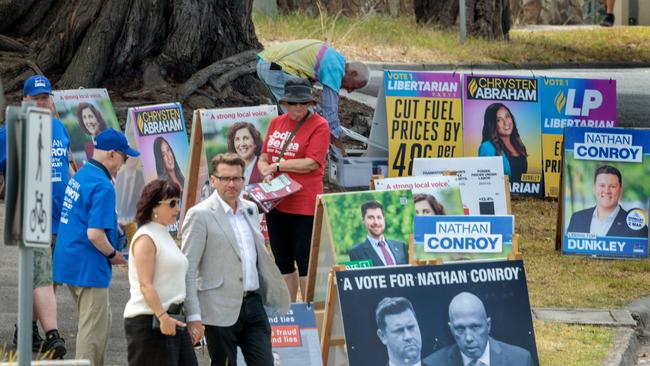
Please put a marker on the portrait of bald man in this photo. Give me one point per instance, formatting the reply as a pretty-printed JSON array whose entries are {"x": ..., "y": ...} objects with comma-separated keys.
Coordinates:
[{"x": 470, "y": 327}]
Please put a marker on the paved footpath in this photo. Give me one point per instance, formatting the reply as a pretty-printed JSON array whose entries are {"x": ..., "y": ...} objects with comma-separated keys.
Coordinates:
[{"x": 119, "y": 293}]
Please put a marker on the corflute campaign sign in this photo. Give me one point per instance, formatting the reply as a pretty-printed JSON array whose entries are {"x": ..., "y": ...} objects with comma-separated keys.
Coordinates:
[
  {"x": 294, "y": 337},
  {"x": 454, "y": 238},
  {"x": 569, "y": 102},
  {"x": 481, "y": 181},
  {"x": 162, "y": 141},
  {"x": 501, "y": 118},
  {"x": 425, "y": 314},
  {"x": 424, "y": 116},
  {"x": 605, "y": 192},
  {"x": 432, "y": 195}
]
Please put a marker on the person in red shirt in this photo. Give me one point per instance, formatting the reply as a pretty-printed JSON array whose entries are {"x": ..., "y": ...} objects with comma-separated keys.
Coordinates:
[{"x": 296, "y": 144}]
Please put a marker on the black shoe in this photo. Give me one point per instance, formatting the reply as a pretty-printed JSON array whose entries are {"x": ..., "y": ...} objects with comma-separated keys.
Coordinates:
[
  {"x": 37, "y": 340},
  {"x": 608, "y": 21},
  {"x": 54, "y": 345}
]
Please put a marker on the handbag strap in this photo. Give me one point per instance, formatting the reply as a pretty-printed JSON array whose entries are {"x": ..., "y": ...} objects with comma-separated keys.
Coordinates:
[{"x": 292, "y": 134}]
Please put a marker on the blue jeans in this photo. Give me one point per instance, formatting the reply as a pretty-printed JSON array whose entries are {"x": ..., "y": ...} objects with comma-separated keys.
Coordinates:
[{"x": 274, "y": 80}]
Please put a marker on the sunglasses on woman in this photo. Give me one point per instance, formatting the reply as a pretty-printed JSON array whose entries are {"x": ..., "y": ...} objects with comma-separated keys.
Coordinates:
[
  {"x": 171, "y": 202},
  {"x": 297, "y": 103}
]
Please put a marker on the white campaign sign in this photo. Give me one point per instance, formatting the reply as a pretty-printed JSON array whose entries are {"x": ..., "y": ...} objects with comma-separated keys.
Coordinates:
[
  {"x": 481, "y": 180},
  {"x": 37, "y": 212}
]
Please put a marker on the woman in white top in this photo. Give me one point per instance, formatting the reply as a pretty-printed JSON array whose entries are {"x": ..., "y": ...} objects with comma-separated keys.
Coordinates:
[{"x": 157, "y": 271}]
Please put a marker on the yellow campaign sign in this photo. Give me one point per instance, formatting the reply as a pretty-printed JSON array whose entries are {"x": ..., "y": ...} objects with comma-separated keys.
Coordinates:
[
  {"x": 552, "y": 163},
  {"x": 424, "y": 116}
]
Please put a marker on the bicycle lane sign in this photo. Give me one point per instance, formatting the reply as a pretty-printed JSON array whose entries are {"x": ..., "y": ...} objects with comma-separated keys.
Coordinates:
[{"x": 37, "y": 197}]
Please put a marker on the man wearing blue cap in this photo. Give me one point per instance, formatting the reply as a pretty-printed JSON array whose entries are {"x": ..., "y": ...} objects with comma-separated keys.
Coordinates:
[
  {"x": 38, "y": 89},
  {"x": 87, "y": 242}
]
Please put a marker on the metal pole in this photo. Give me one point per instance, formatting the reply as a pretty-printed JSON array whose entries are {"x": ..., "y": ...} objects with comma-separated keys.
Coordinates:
[
  {"x": 463, "y": 21},
  {"x": 25, "y": 301},
  {"x": 593, "y": 12}
]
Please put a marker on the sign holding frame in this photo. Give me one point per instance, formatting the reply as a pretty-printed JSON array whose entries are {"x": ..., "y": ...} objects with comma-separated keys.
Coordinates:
[{"x": 341, "y": 235}]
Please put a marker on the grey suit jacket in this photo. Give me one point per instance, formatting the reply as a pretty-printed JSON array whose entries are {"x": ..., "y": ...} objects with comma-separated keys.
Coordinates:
[
  {"x": 501, "y": 354},
  {"x": 214, "y": 281}
]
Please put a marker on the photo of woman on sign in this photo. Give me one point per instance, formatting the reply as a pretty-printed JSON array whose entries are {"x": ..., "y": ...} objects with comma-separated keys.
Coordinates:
[
  {"x": 91, "y": 122},
  {"x": 246, "y": 141},
  {"x": 166, "y": 165},
  {"x": 501, "y": 137},
  {"x": 427, "y": 205}
]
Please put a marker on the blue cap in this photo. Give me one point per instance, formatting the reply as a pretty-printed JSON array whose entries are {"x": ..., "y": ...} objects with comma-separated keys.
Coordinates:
[
  {"x": 35, "y": 85},
  {"x": 111, "y": 139}
]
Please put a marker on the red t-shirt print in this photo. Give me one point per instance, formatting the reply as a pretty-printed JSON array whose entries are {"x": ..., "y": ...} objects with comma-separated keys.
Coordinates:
[{"x": 312, "y": 141}]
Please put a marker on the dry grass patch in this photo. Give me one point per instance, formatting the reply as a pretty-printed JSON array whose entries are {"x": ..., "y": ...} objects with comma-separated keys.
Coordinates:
[
  {"x": 386, "y": 39},
  {"x": 572, "y": 345}
]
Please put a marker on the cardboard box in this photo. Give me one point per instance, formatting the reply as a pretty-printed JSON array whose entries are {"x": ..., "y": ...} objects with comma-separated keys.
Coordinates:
[{"x": 355, "y": 169}]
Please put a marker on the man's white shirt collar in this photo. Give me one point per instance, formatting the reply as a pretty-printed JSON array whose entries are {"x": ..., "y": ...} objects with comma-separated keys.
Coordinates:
[
  {"x": 484, "y": 359},
  {"x": 601, "y": 227},
  {"x": 419, "y": 363},
  {"x": 226, "y": 206}
]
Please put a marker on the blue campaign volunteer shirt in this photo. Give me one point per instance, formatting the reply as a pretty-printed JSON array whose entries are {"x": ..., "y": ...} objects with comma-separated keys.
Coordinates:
[
  {"x": 89, "y": 202},
  {"x": 60, "y": 169}
]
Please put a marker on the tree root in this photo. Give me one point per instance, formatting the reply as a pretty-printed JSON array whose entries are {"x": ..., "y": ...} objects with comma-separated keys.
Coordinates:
[{"x": 229, "y": 69}]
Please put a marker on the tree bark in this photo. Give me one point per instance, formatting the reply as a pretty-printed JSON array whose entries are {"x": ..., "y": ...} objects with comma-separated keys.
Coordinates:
[
  {"x": 130, "y": 44},
  {"x": 348, "y": 7},
  {"x": 559, "y": 12},
  {"x": 489, "y": 19},
  {"x": 440, "y": 12}
]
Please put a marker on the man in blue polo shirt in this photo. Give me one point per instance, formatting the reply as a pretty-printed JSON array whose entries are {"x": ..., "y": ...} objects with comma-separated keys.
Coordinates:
[
  {"x": 87, "y": 242},
  {"x": 38, "y": 89}
]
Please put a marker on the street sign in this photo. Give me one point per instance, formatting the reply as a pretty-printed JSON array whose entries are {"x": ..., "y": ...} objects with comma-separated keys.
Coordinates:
[{"x": 37, "y": 198}]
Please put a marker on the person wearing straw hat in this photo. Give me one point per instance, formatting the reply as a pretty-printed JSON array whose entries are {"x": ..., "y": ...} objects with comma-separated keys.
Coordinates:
[{"x": 296, "y": 144}]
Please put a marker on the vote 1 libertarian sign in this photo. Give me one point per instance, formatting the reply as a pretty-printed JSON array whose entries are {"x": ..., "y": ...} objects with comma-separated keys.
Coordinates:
[{"x": 424, "y": 116}]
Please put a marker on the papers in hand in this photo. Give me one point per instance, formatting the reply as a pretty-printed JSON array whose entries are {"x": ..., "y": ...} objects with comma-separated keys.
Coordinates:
[{"x": 268, "y": 195}]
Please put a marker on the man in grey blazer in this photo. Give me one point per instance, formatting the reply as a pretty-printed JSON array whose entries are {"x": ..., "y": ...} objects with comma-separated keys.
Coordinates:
[
  {"x": 382, "y": 251},
  {"x": 470, "y": 326},
  {"x": 231, "y": 276}
]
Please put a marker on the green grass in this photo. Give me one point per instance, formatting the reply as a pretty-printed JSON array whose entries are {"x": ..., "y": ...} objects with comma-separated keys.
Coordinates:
[
  {"x": 555, "y": 280},
  {"x": 572, "y": 345},
  {"x": 381, "y": 38}
]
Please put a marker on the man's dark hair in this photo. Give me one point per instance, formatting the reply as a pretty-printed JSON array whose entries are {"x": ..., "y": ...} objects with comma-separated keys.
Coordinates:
[
  {"x": 608, "y": 169},
  {"x": 391, "y": 306},
  {"x": 368, "y": 205}
]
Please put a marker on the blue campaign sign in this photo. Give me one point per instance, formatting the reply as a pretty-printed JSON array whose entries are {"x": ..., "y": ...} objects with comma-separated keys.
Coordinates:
[
  {"x": 605, "y": 207},
  {"x": 418, "y": 314},
  {"x": 294, "y": 337},
  {"x": 453, "y": 238}
]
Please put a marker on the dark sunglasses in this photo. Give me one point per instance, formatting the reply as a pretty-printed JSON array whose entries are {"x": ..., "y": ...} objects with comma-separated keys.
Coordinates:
[
  {"x": 124, "y": 156},
  {"x": 171, "y": 202},
  {"x": 298, "y": 103}
]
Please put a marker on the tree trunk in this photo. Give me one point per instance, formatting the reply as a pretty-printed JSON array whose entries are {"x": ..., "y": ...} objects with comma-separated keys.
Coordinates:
[
  {"x": 489, "y": 19},
  {"x": 440, "y": 12},
  {"x": 129, "y": 44},
  {"x": 557, "y": 12}
]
